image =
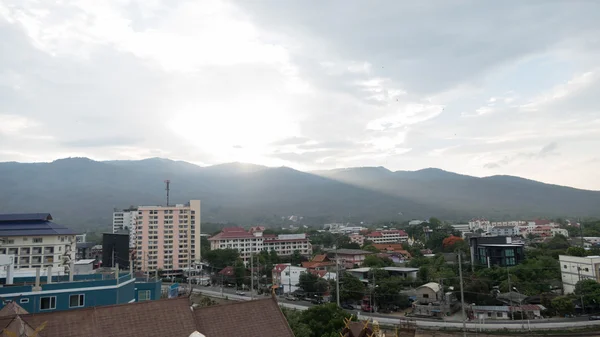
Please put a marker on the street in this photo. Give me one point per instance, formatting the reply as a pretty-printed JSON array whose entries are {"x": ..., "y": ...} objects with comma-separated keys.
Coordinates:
[{"x": 554, "y": 323}]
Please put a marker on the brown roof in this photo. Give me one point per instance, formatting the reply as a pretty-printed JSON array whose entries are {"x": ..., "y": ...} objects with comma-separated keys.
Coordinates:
[
  {"x": 11, "y": 309},
  {"x": 166, "y": 317},
  {"x": 320, "y": 258},
  {"x": 251, "y": 318}
]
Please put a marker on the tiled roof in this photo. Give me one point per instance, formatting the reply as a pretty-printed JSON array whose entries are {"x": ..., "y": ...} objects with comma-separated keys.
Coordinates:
[
  {"x": 320, "y": 258},
  {"x": 227, "y": 271},
  {"x": 250, "y": 318},
  {"x": 11, "y": 309},
  {"x": 167, "y": 317},
  {"x": 31, "y": 224}
]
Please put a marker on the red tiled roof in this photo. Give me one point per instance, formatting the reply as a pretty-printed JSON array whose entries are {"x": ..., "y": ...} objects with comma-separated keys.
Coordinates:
[
  {"x": 319, "y": 273},
  {"x": 541, "y": 222},
  {"x": 320, "y": 258},
  {"x": 280, "y": 267},
  {"x": 232, "y": 233},
  {"x": 227, "y": 271},
  {"x": 374, "y": 234}
]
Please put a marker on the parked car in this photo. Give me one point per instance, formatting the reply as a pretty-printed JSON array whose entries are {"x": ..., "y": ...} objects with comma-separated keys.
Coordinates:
[
  {"x": 594, "y": 318},
  {"x": 316, "y": 301},
  {"x": 291, "y": 298},
  {"x": 241, "y": 293},
  {"x": 347, "y": 306}
]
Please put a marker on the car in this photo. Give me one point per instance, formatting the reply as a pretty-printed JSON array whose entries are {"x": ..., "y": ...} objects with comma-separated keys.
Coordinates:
[
  {"x": 594, "y": 318},
  {"x": 291, "y": 298},
  {"x": 316, "y": 301},
  {"x": 240, "y": 293},
  {"x": 347, "y": 306}
]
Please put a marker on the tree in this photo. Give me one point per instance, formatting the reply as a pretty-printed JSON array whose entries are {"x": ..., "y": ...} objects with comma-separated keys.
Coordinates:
[
  {"x": 435, "y": 222},
  {"x": 240, "y": 272},
  {"x": 350, "y": 245},
  {"x": 351, "y": 288},
  {"x": 590, "y": 290},
  {"x": 312, "y": 284},
  {"x": 387, "y": 293},
  {"x": 296, "y": 258},
  {"x": 294, "y": 319},
  {"x": 221, "y": 258},
  {"x": 558, "y": 242},
  {"x": 204, "y": 245},
  {"x": 563, "y": 305},
  {"x": 370, "y": 248},
  {"x": 451, "y": 243},
  {"x": 324, "y": 320},
  {"x": 377, "y": 262},
  {"x": 576, "y": 251}
]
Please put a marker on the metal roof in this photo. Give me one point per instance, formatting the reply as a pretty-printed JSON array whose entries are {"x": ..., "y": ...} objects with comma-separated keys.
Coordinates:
[
  {"x": 25, "y": 217},
  {"x": 491, "y": 308},
  {"x": 431, "y": 285},
  {"x": 31, "y": 225}
]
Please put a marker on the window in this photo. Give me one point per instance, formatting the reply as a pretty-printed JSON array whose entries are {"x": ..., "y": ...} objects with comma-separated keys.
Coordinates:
[
  {"x": 76, "y": 301},
  {"x": 425, "y": 295},
  {"x": 489, "y": 314},
  {"x": 10, "y": 241},
  {"x": 587, "y": 269},
  {"x": 48, "y": 303},
  {"x": 24, "y": 300},
  {"x": 38, "y": 240},
  {"x": 499, "y": 314},
  {"x": 565, "y": 266},
  {"x": 144, "y": 295}
]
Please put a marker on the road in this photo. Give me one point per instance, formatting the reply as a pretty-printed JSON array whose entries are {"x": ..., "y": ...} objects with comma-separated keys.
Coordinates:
[{"x": 545, "y": 324}]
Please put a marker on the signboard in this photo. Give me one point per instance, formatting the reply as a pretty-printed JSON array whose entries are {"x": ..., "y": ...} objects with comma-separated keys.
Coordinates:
[{"x": 174, "y": 290}]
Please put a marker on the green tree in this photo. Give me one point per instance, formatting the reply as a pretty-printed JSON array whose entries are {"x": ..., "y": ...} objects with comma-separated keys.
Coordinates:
[
  {"x": 221, "y": 258},
  {"x": 589, "y": 290},
  {"x": 325, "y": 319},
  {"x": 204, "y": 245},
  {"x": 563, "y": 305},
  {"x": 239, "y": 272},
  {"x": 350, "y": 245},
  {"x": 351, "y": 288},
  {"x": 558, "y": 242},
  {"x": 377, "y": 262},
  {"x": 296, "y": 258},
  {"x": 576, "y": 251},
  {"x": 370, "y": 248},
  {"x": 387, "y": 293},
  {"x": 312, "y": 284},
  {"x": 294, "y": 319}
]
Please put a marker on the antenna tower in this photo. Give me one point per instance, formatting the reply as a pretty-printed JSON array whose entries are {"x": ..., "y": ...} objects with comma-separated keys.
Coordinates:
[{"x": 167, "y": 183}]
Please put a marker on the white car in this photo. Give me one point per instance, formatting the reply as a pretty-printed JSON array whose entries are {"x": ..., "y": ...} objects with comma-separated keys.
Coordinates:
[{"x": 241, "y": 293}]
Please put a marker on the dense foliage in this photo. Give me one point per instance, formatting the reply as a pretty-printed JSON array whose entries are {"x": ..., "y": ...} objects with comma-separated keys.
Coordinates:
[{"x": 325, "y": 320}]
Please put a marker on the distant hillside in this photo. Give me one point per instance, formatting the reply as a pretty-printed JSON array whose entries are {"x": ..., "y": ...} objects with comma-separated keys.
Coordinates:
[{"x": 81, "y": 193}]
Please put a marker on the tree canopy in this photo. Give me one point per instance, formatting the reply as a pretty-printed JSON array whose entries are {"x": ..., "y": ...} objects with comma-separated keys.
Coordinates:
[{"x": 221, "y": 258}]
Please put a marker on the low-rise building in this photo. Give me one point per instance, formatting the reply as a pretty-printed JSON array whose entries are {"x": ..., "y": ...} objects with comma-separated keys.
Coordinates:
[
  {"x": 575, "y": 268},
  {"x": 35, "y": 241},
  {"x": 559, "y": 231},
  {"x": 319, "y": 262},
  {"x": 504, "y": 231},
  {"x": 363, "y": 273},
  {"x": 348, "y": 258},
  {"x": 387, "y": 236},
  {"x": 431, "y": 301},
  {"x": 496, "y": 251},
  {"x": 357, "y": 238}
]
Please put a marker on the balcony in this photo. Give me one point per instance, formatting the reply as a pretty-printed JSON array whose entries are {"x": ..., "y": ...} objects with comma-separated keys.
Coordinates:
[
  {"x": 36, "y": 251},
  {"x": 48, "y": 250},
  {"x": 25, "y": 251}
]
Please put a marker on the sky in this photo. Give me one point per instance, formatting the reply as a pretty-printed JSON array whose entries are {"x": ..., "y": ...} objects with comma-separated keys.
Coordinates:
[{"x": 474, "y": 87}]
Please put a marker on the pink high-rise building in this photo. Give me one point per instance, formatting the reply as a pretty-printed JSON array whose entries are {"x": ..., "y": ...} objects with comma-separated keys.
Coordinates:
[{"x": 168, "y": 237}]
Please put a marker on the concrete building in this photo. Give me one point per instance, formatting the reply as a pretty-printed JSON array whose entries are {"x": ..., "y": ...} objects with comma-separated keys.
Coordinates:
[
  {"x": 504, "y": 231},
  {"x": 253, "y": 242},
  {"x": 416, "y": 222},
  {"x": 168, "y": 237},
  {"x": 387, "y": 236},
  {"x": 431, "y": 301},
  {"x": 559, "y": 231},
  {"x": 124, "y": 221},
  {"x": 35, "y": 241},
  {"x": 496, "y": 251},
  {"x": 348, "y": 258},
  {"x": 363, "y": 273},
  {"x": 357, "y": 238},
  {"x": 574, "y": 269}
]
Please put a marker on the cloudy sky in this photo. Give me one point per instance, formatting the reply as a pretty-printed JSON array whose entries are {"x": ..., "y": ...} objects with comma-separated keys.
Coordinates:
[{"x": 475, "y": 87}]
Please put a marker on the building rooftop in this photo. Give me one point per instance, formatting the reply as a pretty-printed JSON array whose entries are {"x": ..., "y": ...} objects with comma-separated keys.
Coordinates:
[
  {"x": 31, "y": 224},
  {"x": 85, "y": 261},
  {"x": 432, "y": 285},
  {"x": 167, "y": 317},
  {"x": 344, "y": 251}
]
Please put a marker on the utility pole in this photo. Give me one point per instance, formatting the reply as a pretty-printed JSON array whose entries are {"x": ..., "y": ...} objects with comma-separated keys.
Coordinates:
[
  {"x": 337, "y": 279},
  {"x": 221, "y": 285},
  {"x": 462, "y": 295},
  {"x": 289, "y": 279},
  {"x": 512, "y": 313},
  {"x": 251, "y": 276}
]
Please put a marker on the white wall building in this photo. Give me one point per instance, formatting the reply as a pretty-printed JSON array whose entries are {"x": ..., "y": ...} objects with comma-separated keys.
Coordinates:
[
  {"x": 560, "y": 231},
  {"x": 125, "y": 221},
  {"x": 387, "y": 236},
  {"x": 35, "y": 241},
  {"x": 504, "y": 231},
  {"x": 574, "y": 269}
]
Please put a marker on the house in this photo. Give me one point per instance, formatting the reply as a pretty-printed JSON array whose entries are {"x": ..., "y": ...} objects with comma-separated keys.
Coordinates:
[
  {"x": 575, "y": 268},
  {"x": 363, "y": 273},
  {"x": 168, "y": 317},
  {"x": 483, "y": 312},
  {"x": 496, "y": 251},
  {"x": 431, "y": 301},
  {"x": 348, "y": 258},
  {"x": 319, "y": 262},
  {"x": 286, "y": 278}
]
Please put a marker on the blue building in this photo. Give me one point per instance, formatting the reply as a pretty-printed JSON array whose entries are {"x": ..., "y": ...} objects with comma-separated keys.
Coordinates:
[{"x": 84, "y": 291}]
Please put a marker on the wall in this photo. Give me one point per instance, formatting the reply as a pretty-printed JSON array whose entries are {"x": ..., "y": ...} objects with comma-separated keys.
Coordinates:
[
  {"x": 573, "y": 269},
  {"x": 154, "y": 287},
  {"x": 115, "y": 246}
]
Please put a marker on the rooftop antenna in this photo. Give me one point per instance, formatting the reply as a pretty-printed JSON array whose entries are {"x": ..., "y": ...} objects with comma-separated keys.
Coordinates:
[{"x": 167, "y": 183}]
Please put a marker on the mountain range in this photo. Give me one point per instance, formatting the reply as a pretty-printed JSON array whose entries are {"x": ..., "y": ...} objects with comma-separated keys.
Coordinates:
[{"x": 82, "y": 193}]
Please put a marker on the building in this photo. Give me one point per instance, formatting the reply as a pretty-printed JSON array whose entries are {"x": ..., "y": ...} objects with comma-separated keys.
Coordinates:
[
  {"x": 545, "y": 231},
  {"x": 51, "y": 291},
  {"x": 319, "y": 262},
  {"x": 559, "y": 231},
  {"x": 357, "y": 238},
  {"x": 480, "y": 223},
  {"x": 416, "y": 222},
  {"x": 387, "y": 236},
  {"x": 124, "y": 221},
  {"x": 493, "y": 312},
  {"x": 35, "y": 241},
  {"x": 168, "y": 237},
  {"x": 175, "y": 317},
  {"x": 431, "y": 301},
  {"x": 363, "y": 273},
  {"x": 286, "y": 277},
  {"x": 496, "y": 251},
  {"x": 574, "y": 269},
  {"x": 115, "y": 250},
  {"x": 247, "y": 242},
  {"x": 348, "y": 258},
  {"x": 504, "y": 231}
]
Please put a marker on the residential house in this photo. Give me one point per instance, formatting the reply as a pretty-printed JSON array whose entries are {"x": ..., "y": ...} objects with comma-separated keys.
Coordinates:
[
  {"x": 363, "y": 273},
  {"x": 357, "y": 238},
  {"x": 490, "y": 312},
  {"x": 543, "y": 231},
  {"x": 319, "y": 262},
  {"x": 431, "y": 301},
  {"x": 286, "y": 278},
  {"x": 574, "y": 269},
  {"x": 496, "y": 251},
  {"x": 348, "y": 258},
  {"x": 168, "y": 317}
]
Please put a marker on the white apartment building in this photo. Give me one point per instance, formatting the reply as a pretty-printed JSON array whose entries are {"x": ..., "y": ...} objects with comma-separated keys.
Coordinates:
[
  {"x": 387, "y": 236},
  {"x": 286, "y": 276},
  {"x": 253, "y": 241},
  {"x": 574, "y": 269},
  {"x": 560, "y": 231},
  {"x": 168, "y": 237},
  {"x": 125, "y": 221},
  {"x": 505, "y": 231},
  {"x": 34, "y": 241},
  {"x": 482, "y": 224}
]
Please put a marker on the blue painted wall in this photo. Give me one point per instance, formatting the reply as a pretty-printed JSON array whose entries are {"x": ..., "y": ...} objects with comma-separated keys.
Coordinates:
[{"x": 154, "y": 287}]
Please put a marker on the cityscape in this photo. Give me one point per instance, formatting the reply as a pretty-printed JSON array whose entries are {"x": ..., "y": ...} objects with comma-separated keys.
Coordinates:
[{"x": 285, "y": 168}]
